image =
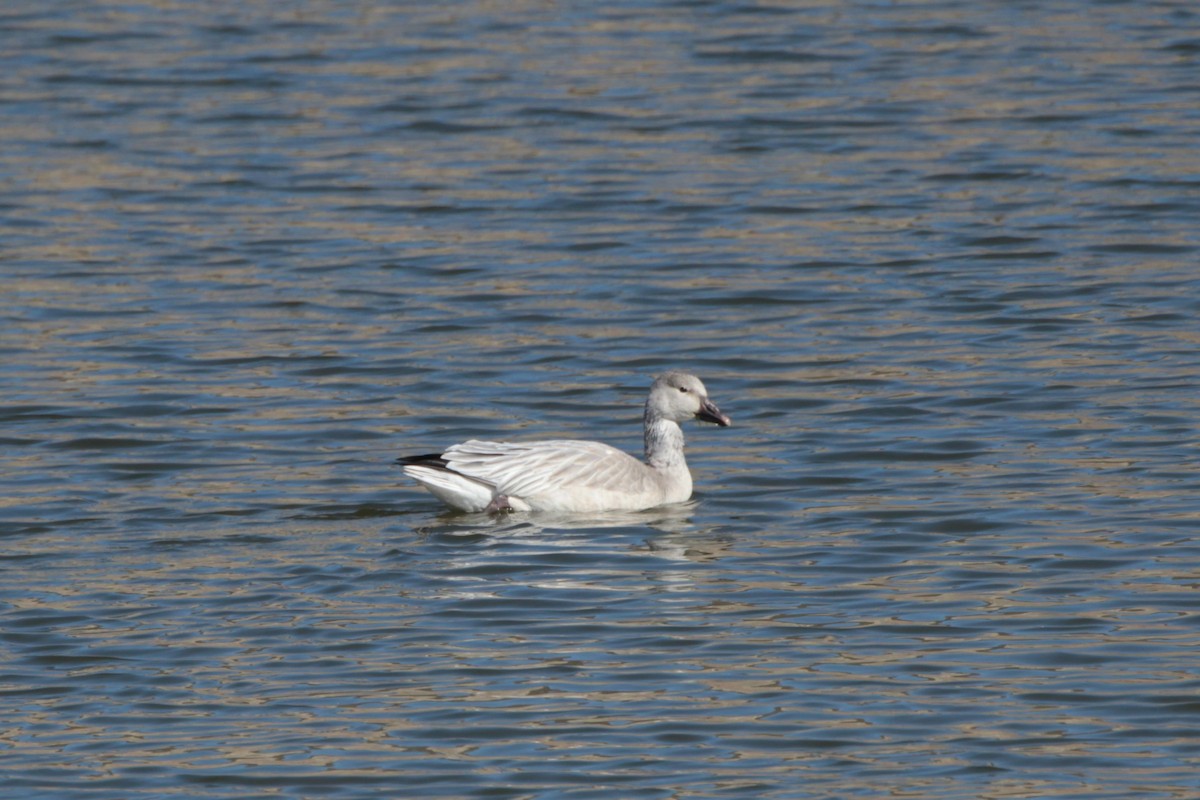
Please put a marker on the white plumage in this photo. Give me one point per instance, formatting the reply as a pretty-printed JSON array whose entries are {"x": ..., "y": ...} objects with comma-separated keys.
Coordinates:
[{"x": 572, "y": 475}]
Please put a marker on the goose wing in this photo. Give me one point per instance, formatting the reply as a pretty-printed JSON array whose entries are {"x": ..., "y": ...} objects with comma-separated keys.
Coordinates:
[{"x": 562, "y": 467}]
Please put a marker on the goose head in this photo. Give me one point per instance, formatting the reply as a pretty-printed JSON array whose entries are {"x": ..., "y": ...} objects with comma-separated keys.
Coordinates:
[{"x": 678, "y": 396}]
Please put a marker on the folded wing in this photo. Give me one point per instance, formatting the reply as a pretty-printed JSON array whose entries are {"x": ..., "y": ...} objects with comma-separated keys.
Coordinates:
[{"x": 564, "y": 468}]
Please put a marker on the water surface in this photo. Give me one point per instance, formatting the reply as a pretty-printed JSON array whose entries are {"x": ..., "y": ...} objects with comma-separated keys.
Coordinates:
[{"x": 937, "y": 260}]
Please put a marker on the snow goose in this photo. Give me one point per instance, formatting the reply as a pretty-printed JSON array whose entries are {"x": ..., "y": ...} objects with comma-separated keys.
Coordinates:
[{"x": 569, "y": 475}]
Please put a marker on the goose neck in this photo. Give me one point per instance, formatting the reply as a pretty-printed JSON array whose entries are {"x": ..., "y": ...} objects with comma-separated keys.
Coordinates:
[{"x": 664, "y": 443}]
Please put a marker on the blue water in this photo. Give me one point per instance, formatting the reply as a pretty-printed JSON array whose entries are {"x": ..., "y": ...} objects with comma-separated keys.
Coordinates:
[{"x": 937, "y": 260}]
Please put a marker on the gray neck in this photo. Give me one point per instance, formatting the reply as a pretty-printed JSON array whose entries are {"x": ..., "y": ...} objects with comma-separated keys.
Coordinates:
[{"x": 664, "y": 443}]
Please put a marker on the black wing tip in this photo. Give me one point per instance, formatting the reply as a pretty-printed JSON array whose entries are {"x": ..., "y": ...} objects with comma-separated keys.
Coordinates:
[{"x": 427, "y": 460}]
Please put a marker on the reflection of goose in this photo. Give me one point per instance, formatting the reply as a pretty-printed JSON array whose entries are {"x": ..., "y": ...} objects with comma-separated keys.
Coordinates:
[
  {"x": 571, "y": 475},
  {"x": 667, "y": 519}
]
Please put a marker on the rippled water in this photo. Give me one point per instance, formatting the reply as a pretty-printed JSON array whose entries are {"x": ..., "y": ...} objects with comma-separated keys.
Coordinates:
[{"x": 937, "y": 260}]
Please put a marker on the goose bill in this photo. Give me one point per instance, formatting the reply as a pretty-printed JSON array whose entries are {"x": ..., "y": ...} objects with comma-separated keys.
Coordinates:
[{"x": 710, "y": 413}]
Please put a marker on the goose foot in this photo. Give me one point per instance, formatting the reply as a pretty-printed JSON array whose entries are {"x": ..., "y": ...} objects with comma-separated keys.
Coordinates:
[{"x": 499, "y": 505}]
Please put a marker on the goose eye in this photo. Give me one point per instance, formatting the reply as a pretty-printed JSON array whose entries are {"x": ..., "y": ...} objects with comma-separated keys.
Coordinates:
[{"x": 683, "y": 389}]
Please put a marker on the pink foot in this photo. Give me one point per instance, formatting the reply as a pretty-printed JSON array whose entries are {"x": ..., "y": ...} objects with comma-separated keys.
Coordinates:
[{"x": 499, "y": 505}]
